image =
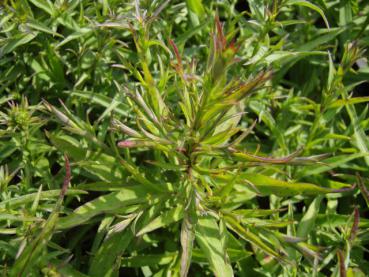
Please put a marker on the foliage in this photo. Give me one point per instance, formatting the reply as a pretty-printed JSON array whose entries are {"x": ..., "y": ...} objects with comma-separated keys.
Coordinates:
[{"x": 204, "y": 137}]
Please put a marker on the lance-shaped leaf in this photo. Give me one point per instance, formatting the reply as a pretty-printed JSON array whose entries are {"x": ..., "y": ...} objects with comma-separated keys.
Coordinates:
[
  {"x": 355, "y": 225},
  {"x": 363, "y": 189},
  {"x": 187, "y": 239},
  {"x": 125, "y": 129},
  {"x": 106, "y": 261},
  {"x": 308, "y": 220},
  {"x": 309, "y": 5},
  {"x": 188, "y": 234},
  {"x": 249, "y": 213},
  {"x": 106, "y": 203},
  {"x": 16, "y": 41},
  {"x": 209, "y": 239},
  {"x": 149, "y": 260},
  {"x": 349, "y": 101},
  {"x": 238, "y": 92},
  {"x": 30, "y": 254},
  {"x": 329, "y": 164},
  {"x": 167, "y": 218},
  {"x": 255, "y": 240},
  {"x": 44, "y": 195},
  {"x": 338, "y": 220},
  {"x": 102, "y": 100},
  {"x": 266, "y": 185},
  {"x": 244, "y": 156}
]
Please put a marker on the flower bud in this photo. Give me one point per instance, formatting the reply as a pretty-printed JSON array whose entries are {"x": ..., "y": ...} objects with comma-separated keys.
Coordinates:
[{"x": 126, "y": 144}]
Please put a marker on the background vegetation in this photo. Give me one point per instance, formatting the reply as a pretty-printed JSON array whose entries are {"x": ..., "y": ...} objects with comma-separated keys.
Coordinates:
[{"x": 200, "y": 138}]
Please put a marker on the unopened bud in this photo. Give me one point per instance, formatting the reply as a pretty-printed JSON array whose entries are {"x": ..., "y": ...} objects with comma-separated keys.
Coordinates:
[{"x": 126, "y": 144}]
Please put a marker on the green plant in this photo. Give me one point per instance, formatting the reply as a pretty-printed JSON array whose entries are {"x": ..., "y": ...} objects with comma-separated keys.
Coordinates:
[
  {"x": 196, "y": 173},
  {"x": 234, "y": 154}
]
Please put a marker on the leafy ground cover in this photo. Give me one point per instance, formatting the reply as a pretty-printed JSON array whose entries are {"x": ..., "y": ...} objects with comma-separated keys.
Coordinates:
[{"x": 175, "y": 138}]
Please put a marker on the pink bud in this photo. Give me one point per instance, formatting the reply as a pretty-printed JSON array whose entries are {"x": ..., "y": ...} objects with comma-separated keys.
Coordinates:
[{"x": 126, "y": 144}]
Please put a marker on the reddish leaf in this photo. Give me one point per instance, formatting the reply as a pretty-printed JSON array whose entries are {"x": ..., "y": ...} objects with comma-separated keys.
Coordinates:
[
  {"x": 341, "y": 261},
  {"x": 355, "y": 225}
]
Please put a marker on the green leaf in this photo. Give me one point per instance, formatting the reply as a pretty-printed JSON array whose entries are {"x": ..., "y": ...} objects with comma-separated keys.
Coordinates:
[
  {"x": 196, "y": 7},
  {"x": 7, "y": 149},
  {"x": 209, "y": 238},
  {"x": 101, "y": 100},
  {"x": 321, "y": 38},
  {"x": 12, "y": 43},
  {"x": 104, "y": 204},
  {"x": 149, "y": 260},
  {"x": 12, "y": 217},
  {"x": 184, "y": 37},
  {"x": 307, "y": 222},
  {"x": 337, "y": 220},
  {"x": 44, "y": 195},
  {"x": 329, "y": 164},
  {"x": 361, "y": 141},
  {"x": 106, "y": 261},
  {"x": 251, "y": 213},
  {"x": 76, "y": 35},
  {"x": 67, "y": 270},
  {"x": 343, "y": 102},
  {"x": 286, "y": 56},
  {"x": 105, "y": 167},
  {"x": 30, "y": 254},
  {"x": 251, "y": 237},
  {"x": 309, "y": 5},
  {"x": 165, "y": 219},
  {"x": 45, "y": 5},
  {"x": 38, "y": 26},
  {"x": 187, "y": 239},
  {"x": 266, "y": 185}
]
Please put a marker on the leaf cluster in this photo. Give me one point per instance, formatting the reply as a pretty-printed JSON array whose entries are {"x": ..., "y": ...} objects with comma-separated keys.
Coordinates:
[{"x": 204, "y": 138}]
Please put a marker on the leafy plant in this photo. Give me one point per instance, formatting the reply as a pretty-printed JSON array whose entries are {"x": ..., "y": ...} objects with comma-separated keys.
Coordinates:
[{"x": 206, "y": 147}]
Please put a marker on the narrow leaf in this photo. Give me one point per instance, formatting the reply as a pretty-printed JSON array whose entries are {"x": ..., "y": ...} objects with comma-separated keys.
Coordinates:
[
  {"x": 165, "y": 219},
  {"x": 210, "y": 241},
  {"x": 307, "y": 222}
]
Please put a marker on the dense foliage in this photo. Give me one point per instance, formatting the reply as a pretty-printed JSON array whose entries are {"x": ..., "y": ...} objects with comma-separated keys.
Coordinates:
[{"x": 170, "y": 138}]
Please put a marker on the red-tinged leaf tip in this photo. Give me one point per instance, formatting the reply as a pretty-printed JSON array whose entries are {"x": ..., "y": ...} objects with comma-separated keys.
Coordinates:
[
  {"x": 176, "y": 53},
  {"x": 355, "y": 225},
  {"x": 67, "y": 176},
  {"x": 363, "y": 189},
  {"x": 345, "y": 189},
  {"x": 221, "y": 40},
  {"x": 234, "y": 47},
  {"x": 341, "y": 261},
  {"x": 126, "y": 144}
]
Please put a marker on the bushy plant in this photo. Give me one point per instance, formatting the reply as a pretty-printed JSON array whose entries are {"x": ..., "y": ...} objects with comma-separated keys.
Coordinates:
[{"x": 203, "y": 139}]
